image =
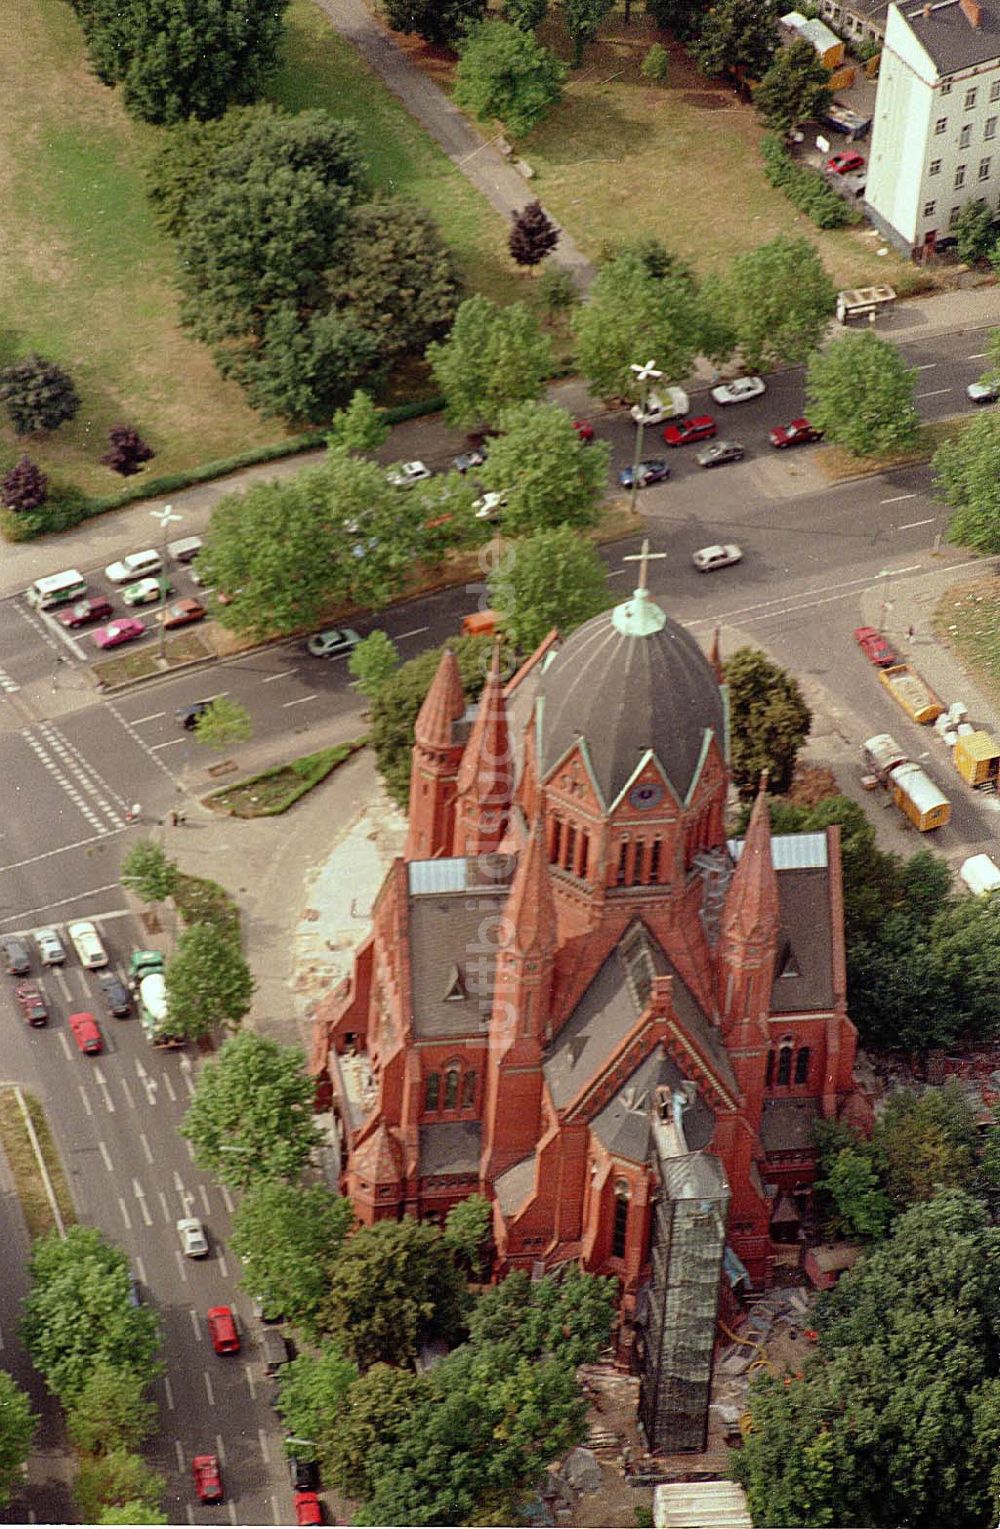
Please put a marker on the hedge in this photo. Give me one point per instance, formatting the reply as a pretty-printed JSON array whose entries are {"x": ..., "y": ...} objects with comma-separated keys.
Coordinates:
[{"x": 805, "y": 187}]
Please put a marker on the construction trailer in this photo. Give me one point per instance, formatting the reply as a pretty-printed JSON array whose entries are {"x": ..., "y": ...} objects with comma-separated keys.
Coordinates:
[{"x": 977, "y": 758}]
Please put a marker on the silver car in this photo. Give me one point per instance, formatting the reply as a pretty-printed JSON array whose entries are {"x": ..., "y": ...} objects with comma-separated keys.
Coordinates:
[
  {"x": 194, "y": 1243},
  {"x": 983, "y": 392},
  {"x": 50, "y": 947}
]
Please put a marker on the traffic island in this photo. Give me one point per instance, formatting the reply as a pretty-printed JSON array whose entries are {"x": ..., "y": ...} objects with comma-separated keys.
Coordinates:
[
  {"x": 838, "y": 465},
  {"x": 275, "y": 790},
  {"x": 35, "y": 1166},
  {"x": 144, "y": 663}
]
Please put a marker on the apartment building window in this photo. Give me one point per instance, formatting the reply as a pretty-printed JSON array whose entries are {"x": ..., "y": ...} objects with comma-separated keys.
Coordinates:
[
  {"x": 970, "y": 98},
  {"x": 984, "y": 169},
  {"x": 959, "y": 177},
  {"x": 995, "y": 91},
  {"x": 965, "y": 137},
  {"x": 941, "y": 125},
  {"x": 929, "y": 209},
  {"x": 990, "y": 130},
  {"x": 935, "y": 168},
  {"x": 953, "y": 217}
]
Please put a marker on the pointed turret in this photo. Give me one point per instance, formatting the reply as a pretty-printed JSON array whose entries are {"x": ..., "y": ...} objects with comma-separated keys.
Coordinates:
[
  {"x": 750, "y": 921},
  {"x": 486, "y": 776},
  {"x": 530, "y": 914},
  {"x": 437, "y": 753}
]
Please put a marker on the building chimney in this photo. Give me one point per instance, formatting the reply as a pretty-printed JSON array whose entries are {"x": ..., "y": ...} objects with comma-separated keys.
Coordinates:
[
  {"x": 927, "y": 11},
  {"x": 972, "y": 12}
]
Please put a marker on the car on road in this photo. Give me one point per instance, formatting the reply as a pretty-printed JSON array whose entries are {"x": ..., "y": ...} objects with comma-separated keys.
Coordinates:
[
  {"x": 651, "y": 470},
  {"x": 183, "y": 613},
  {"x": 144, "y": 592},
  {"x": 32, "y": 1005},
  {"x": 16, "y": 958},
  {"x": 87, "y": 944},
  {"x": 875, "y": 648},
  {"x": 659, "y": 408},
  {"x": 207, "y": 1478},
  {"x": 185, "y": 550},
  {"x": 333, "y": 642},
  {"x": 137, "y": 565},
  {"x": 488, "y": 506},
  {"x": 222, "y": 1330},
  {"x": 82, "y": 612},
  {"x": 304, "y": 1473},
  {"x": 194, "y": 1243},
  {"x": 125, "y": 629},
  {"x": 983, "y": 392},
  {"x": 86, "y": 1033},
  {"x": 50, "y": 947},
  {"x": 740, "y": 390},
  {"x": 846, "y": 161},
  {"x": 467, "y": 460},
  {"x": 584, "y": 429},
  {"x": 406, "y": 474},
  {"x": 708, "y": 558},
  {"x": 308, "y": 1508},
  {"x": 798, "y": 433},
  {"x": 701, "y": 428},
  {"x": 188, "y": 716},
  {"x": 720, "y": 452},
  {"x": 116, "y": 995}
]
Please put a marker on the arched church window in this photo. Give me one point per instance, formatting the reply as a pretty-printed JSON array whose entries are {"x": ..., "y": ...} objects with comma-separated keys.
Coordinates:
[
  {"x": 432, "y": 1090},
  {"x": 569, "y": 846},
  {"x": 451, "y": 1088},
  {"x": 784, "y": 1066},
  {"x": 802, "y": 1065},
  {"x": 468, "y": 1091},
  {"x": 640, "y": 856},
  {"x": 619, "y": 1234},
  {"x": 655, "y": 853},
  {"x": 769, "y": 1071},
  {"x": 622, "y": 863}
]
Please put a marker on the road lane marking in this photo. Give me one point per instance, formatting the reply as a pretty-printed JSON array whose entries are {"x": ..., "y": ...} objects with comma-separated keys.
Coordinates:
[
  {"x": 140, "y": 1268},
  {"x": 168, "y": 1392},
  {"x": 181, "y": 1264},
  {"x": 140, "y": 1195},
  {"x": 897, "y": 498},
  {"x": 188, "y": 1084},
  {"x": 781, "y": 600},
  {"x": 934, "y": 393},
  {"x": 194, "y": 1322},
  {"x": 78, "y": 897},
  {"x": 891, "y": 573},
  {"x": 99, "y": 1079},
  {"x": 227, "y": 1199},
  {"x": 106, "y": 1155},
  {"x": 190, "y": 1510},
  {"x": 248, "y": 1370},
  {"x": 153, "y": 716},
  {"x": 262, "y": 1436},
  {"x": 417, "y": 631},
  {"x": 166, "y": 1209},
  {"x": 125, "y": 1215},
  {"x": 928, "y": 366},
  {"x": 67, "y": 1053},
  {"x": 62, "y": 985},
  {"x": 980, "y": 355},
  {"x": 208, "y": 1388},
  {"x": 145, "y": 1148},
  {"x": 128, "y": 1093},
  {"x": 171, "y": 743},
  {"x": 232, "y": 1512},
  {"x": 204, "y": 1199},
  {"x": 220, "y": 1449},
  {"x": 190, "y": 1149},
  {"x": 910, "y": 524},
  {"x": 301, "y": 700},
  {"x": 180, "y": 1459},
  {"x": 223, "y": 1266},
  {"x": 169, "y": 1087},
  {"x": 1, "y": 1340},
  {"x": 282, "y": 676},
  {"x": 17, "y": 865}
]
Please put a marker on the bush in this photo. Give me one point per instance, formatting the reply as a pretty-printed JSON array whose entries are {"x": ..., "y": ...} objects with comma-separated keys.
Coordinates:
[
  {"x": 25, "y": 487},
  {"x": 38, "y": 394},
  {"x": 805, "y": 187},
  {"x": 126, "y": 451},
  {"x": 656, "y": 62}
]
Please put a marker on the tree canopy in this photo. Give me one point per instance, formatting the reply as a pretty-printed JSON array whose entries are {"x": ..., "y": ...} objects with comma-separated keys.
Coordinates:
[
  {"x": 778, "y": 301},
  {"x": 633, "y": 315},
  {"x": 737, "y": 37},
  {"x": 505, "y": 73},
  {"x": 533, "y": 235},
  {"x": 493, "y": 358},
  {"x": 251, "y": 1116},
  {"x": 148, "y": 871},
  {"x": 582, "y": 19},
  {"x": 209, "y": 985},
  {"x": 796, "y": 87},
  {"x": 37, "y": 394},
  {"x": 395, "y": 707},
  {"x": 313, "y": 1397},
  {"x": 546, "y": 473},
  {"x": 288, "y": 1236},
  {"x": 967, "y": 478},
  {"x": 550, "y": 579},
  {"x": 769, "y": 721},
  {"x": 436, "y": 21},
  {"x": 17, "y": 1429},
  {"x": 860, "y": 392}
]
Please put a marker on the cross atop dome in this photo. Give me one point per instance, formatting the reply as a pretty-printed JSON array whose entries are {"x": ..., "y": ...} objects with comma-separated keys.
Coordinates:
[{"x": 640, "y": 616}]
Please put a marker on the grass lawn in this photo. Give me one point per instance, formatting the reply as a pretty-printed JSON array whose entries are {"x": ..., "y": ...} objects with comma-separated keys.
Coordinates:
[
  {"x": 836, "y": 463},
  {"x": 87, "y": 278},
  {"x": 19, "y": 1152},
  {"x": 277, "y": 789},
  {"x": 968, "y": 620},
  {"x": 141, "y": 663}
]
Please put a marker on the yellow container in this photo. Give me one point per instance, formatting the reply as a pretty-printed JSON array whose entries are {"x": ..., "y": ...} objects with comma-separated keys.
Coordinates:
[{"x": 977, "y": 758}]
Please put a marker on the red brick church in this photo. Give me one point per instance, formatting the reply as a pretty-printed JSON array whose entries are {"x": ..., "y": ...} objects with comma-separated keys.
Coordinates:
[{"x": 568, "y": 937}]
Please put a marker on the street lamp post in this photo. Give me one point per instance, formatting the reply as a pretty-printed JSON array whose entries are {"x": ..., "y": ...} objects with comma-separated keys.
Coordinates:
[
  {"x": 643, "y": 376},
  {"x": 165, "y": 519}
]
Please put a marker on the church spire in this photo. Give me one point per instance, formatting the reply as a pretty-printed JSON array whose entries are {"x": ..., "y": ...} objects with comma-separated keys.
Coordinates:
[
  {"x": 750, "y": 921},
  {"x": 530, "y": 913},
  {"x": 640, "y": 616},
  {"x": 443, "y": 704},
  {"x": 437, "y": 752},
  {"x": 486, "y": 776}
]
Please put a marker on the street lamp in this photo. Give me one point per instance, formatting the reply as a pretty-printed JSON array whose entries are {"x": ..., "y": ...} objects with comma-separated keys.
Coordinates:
[
  {"x": 643, "y": 376},
  {"x": 165, "y": 518}
]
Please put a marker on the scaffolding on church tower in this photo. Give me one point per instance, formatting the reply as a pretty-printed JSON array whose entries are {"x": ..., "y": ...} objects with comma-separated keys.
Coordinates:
[{"x": 682, "y": 1300}]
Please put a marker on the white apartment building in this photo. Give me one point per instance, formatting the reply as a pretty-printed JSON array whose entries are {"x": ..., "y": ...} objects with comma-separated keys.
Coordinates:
[{"x": 934, "y": 142}]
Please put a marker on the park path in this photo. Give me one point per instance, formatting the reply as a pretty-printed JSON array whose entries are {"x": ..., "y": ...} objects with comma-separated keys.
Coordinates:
[{"x": 477, "y": 158}]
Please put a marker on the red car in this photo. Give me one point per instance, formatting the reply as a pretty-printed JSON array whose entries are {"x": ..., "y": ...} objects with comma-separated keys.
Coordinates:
[
  {"x": 585, "y": 431},
  {"x": 125, "y": 629},
  {"x": 97, "y": 608},
  {"x": 222, "y": 1330},
  {"x": 701, "y": 428},
  {"x": 32, "y": 1004},
  {"x": 846, "y": 161},
  {"x": 207, "y": 1478},
  {"x": 182, "y": 613},
  {"x": 308, "y": 1509},
  {"x": 86, "y": 1033},
  {"x": 799, "y": 433},
  {"x": 874, "y": 646}
]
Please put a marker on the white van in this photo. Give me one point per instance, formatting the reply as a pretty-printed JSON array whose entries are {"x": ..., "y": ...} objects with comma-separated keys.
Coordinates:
[
  {"x": 87, "y": 944},
  {"x": 57, "y": 589},
  {"x": 136, "y": 565},
  {"x": 185, "y": 550},
  {"x": 670, "y": 403},
  {"x": 980, "y": 874}
]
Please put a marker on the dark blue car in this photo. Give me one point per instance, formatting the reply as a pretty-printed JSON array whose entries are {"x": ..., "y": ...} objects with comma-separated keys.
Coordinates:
[{"x": 652, "y": 470}]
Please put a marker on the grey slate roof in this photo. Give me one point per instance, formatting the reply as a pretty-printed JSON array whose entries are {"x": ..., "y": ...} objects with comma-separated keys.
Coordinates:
[
  {"x": 626, "y": 694},
  {"x": 949, "y": 37},
  {"x": 513, "y": 1186},
  {"x": 786, "y": 1124},
  {"x": 449, "y": 930},
  {"x": 450, "y": 1147},
  {"x": 805, "y": 944},
  {"x": 623, "y": 1126}
]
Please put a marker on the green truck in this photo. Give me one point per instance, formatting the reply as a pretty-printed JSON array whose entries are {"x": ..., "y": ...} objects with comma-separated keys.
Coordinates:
[{"x": 149, "y": 987}]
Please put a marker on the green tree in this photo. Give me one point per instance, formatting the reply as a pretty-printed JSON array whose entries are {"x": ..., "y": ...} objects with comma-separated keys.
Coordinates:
[
  {"x": 860, "y": 391},
  {"x": 436, "y": 21},
  {"x": 769, "y": 721},
  {"x": 132, "y": 1512},
  {"x": 304, "y": 367},
  {"x": 373, "y": 662},
  {"x": 209, "y": 984},
  {"x": 360, "y": 427},
  {"x": 630, "y": 316},
  {"x": 394, "y": 1284},
  {"x": 111, "y": 1480},
  {"x": 223, "y": 723},
  {"x": 395, "y": 707},
  {"x": 313, "y": 1401},
  {"x": 287, "y": 1236},
  {"x": 251, "y": 1117},
  {"x": 528, "y": 14},
  {"x": 796, "y": 87},
  {"x": 183, "y": 58},
  {"x": 467, "y": 1231},
  {"x": 862, "y": 1209},
  {"x": 557, "y": 291},
  {"x": 656, "y": 63},
  {"x": 182, "y": 161},
  {"x": 925, "y": 1143},
  {"x": 679, "y": 17},
  {"x": 112, "y": 1412},
  {"x": 378, "y": 1405},
  {"x": 779, "y": 301},
  {"x": 550, "y": 579},
  {"x": 37, "y": 394},
  {"x": 975, "y": 232},
  {"x": 547, "y": 474},
  {"x": 583, "y": 19},
  {"x": 17, "y": 1429},
  {"x": 569, "y": 1318},
  {"x": 505, "y": 74},
  {"x": 493, "y": 358},
  {"x": 967, "y": 478},
  {"x": 148, "y": 871},
  {"x": 737, "y": 37}
]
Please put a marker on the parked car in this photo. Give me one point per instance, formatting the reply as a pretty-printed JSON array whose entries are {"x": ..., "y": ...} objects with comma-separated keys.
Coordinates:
[
  {"x": 708, "y": 558},
  {"x": 185, "y": 550},
  {"x": 701, "y": 428},
  {"x": 96, "y": 608},
  {"x": 488, "y": 506},
  {"x": 144, "y": 592},
  {"x": 116, "y": 995},
  {"x": 207, "y": 1478},
  {"x": 798, "y": 433},
  {"x": 188, "y": 716},
  {"x": 32, "y": 1005},
  {"x": 308, "y": 1508},
  {"x": 333, "y": 642},
  {"x": 183, "y": 613},
  {"x": 652, "y": 470},
  {"x": 467, "y": 460},
  {"x": 406, "y": 474},
  {"x": 194, "y": 1243},
  {"x": 660, "y": 408},
  {"x": 720, "y": 452},
  {"x": 983, "y": 392},
  {"x": 16, "y": 959},
  {"x": 125, "y": 629},
  {"x": 87, "y": 944},
  {"x": 584, "y": 429},
  {"x": 740, "y": 390},
  {"x": 222, "y": 1330},
  {"x": 875, "y": 648},
  {"x": 137, "y": 565},
  {"x": 304, "y": 1473},
  {"x": 50, "y": 947},
  {"x": 86, "y": 1033},
  {"x": 845, "y": 161}
]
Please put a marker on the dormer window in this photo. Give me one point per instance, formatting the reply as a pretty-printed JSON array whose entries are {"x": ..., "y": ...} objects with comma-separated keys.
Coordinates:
[{"x": 456, "y": 990}]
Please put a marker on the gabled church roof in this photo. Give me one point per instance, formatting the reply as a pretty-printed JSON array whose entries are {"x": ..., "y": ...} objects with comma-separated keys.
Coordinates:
[{"x": 623, "y": 1126}]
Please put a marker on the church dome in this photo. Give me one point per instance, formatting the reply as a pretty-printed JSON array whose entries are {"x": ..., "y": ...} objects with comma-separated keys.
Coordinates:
[{"x": 628, "y": 681}]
